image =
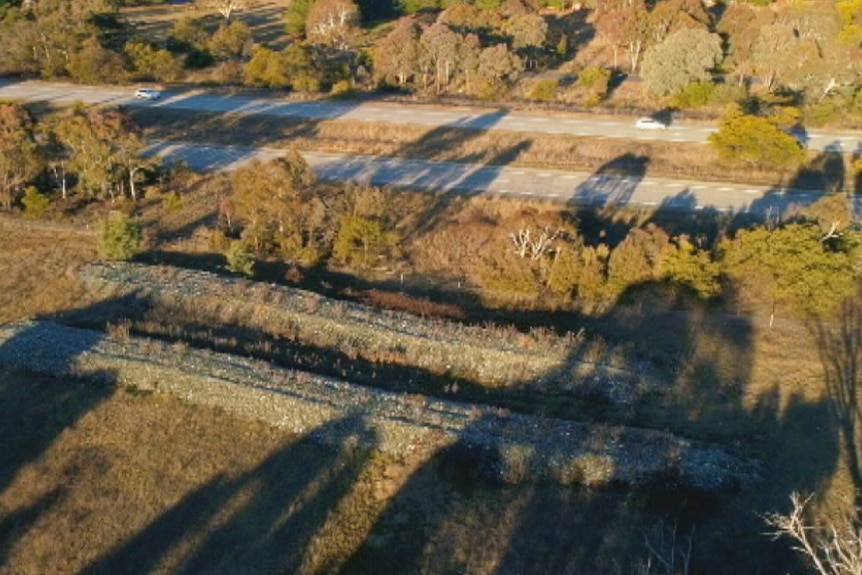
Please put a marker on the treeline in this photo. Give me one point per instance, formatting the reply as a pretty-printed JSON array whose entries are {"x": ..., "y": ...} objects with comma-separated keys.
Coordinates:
[
  {"x": 689, "y": 53},
  {"x": 98, "y": 152}
]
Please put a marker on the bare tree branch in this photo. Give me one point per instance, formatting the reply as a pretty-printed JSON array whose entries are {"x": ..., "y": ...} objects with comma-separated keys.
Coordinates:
[{"x": 832, "y": 550}]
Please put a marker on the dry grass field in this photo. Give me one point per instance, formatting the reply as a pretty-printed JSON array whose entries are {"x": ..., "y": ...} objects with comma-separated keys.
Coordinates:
[
  {"x": 96, "y": 480},
  {"x": 265, "y": 18}
]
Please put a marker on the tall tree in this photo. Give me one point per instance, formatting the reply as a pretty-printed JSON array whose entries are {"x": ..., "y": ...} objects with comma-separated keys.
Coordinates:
[
  {"x": 105, "y": 150},
  {"x": 686, "y": 56},
  {"x": 19, "y": 154},
  {"x": 332, "y": 23},
  {"x": 529, "y": 32},
  {"x": 439, "y": 53},
  {"x": 397, "y": 54},
  {"x": 226, "y": 8},
  {"x": 268, "y": 197},
  {"x": 625, "y": 25}
]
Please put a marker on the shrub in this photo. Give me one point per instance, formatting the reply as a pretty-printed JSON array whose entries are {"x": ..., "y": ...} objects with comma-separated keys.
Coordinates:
[
  {"x": 306, "y": 83},
  {"x": 695, "y": 95},
  {"x": 544, "y": 90},
  {"x": 239, "y": 260},
  {"x": 593, "y": 77},
  {"x": 35, "y": 203},
  {"x": 119, "y": 237},
  {"x": 342, "y": 89},
  {"x": 756, "y": 141},
  {"x": 172, "y": 201},
  {"x": 360, "y": 241}
]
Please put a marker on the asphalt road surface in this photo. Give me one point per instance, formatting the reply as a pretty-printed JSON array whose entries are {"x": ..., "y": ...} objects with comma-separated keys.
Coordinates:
[
  {"x": 380, "y": 112},
  {"x": 575, "y": 188}
]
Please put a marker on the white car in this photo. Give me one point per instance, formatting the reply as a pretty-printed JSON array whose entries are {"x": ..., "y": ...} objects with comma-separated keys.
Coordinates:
[
  {"x": 647, "y": 123},
  {"x": 147, "y": 94}
]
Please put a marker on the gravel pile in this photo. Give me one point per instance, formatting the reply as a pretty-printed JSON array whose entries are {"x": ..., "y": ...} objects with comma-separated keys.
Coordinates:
[
  {"x": 502, "y": 446},
  {"x": 488, "y": 355}
]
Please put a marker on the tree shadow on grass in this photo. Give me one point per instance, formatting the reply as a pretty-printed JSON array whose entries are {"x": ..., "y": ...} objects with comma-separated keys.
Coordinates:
[
  {"x": 840, "y": 348},
  {"x": 36, "y": 408},
  {"x": 257, "y": 521},
  {"x": 465, "y": 519},
  {"x": 613, "y": 183}
]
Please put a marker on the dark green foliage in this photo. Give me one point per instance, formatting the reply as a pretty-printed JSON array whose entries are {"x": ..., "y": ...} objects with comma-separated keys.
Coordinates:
[
  {"x": 361, "y": 241},
  {"x": 120, "y": 238},
  {"x": 239, "y": 260},
  {"x": 295, "y": 16},
  {"x": 411, "y": 6},
  {"x": 687, "y": 265},
  {"x": 792, "y": 264},
  {"x": 35, "y": 203}
]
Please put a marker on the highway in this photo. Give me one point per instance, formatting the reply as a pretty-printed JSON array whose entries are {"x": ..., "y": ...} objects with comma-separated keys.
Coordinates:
[
  {"x": 573, "y": 188},
  {"x": 392, "y": 113}
]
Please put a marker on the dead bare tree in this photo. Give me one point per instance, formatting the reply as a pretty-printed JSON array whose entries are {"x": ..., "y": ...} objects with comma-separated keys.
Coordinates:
[
  {"x": 524, "y": 242},
  {"x": 671, "y": 551},
  {"x": 831, "y": 549},
  {"x": 833, "y": 233},
  {"x": 225, "y": 7}
]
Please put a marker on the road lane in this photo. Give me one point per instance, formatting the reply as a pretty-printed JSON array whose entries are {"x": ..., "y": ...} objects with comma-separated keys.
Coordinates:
[
  {"x": 575, "y": 188},
  {"x": 393, "y": 113}
]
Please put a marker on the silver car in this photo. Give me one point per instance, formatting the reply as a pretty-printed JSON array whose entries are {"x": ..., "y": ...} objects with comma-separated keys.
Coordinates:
[
  {"x": 647, "y": 123},
  {"x": 147, "y": 94}
]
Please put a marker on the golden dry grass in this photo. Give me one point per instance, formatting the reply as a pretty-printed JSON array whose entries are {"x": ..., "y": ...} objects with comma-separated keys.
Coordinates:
[{"x": 38, "y": 263}]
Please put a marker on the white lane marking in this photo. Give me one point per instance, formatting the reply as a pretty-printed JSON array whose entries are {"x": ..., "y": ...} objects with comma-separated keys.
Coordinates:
[
  {"x": 544, "y": 175},
  {"x": 553, "y": 195},
  {"x": 526, "y": 193},
  {"x": 753, "y": 191},
  {"x": 570, "y": 177},
  {"x": 650, "y": 203},
  {"x": 677, "y": 140},
  {"x": 698, "y": 187},
  {"x": 648, "y": 183},
  {"x": 725, "y": 189}
]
